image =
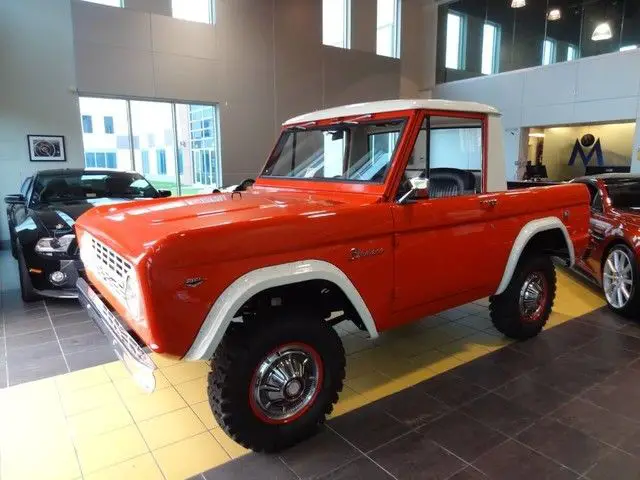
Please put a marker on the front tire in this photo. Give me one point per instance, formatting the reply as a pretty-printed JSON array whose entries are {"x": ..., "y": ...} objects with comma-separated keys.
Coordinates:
[
  {"x": 274, "y": 381},
  {"x": 619, "y": 279},
  {"x": 522, "y": 310}
]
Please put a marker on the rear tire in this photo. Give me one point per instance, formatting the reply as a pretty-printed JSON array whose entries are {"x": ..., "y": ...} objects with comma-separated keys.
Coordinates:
[
  {"x": 522, "y": 310},
  {"x": 27, "y": 292},
  {"x": 622, "y": 300},
  {"x": 247, "y": 393}
]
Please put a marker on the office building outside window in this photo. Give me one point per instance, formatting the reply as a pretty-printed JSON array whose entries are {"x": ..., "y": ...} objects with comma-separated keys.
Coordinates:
[
  {"x": 490, "y": 48},
  {"x": 388, "y": 28},
  {"x": 108, "y": 125},
  {"x": 455, "y": 41},
  {"x": 202, "y": 11},
  {"x": 548, "y": 51},
  {"x": 87, "y": 124},
  {"x": 336, "y": 23},
  {"x": 110, "y": 3}
]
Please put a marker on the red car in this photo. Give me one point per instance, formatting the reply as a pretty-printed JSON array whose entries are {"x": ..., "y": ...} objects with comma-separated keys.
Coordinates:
[{"x": 612, "y": 256}]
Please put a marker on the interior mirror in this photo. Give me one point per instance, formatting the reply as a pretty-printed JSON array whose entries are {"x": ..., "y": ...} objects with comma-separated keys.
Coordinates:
[
  {"x": 15, "y": 199},
  {"x": 164, "y": 193},
  {"x": 419, "y": 190}
]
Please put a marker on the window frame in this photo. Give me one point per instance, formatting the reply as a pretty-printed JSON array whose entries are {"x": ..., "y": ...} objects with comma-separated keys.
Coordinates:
[
  {"x": 87, "y": 123},
  {"x": 346, "y": 27},
  {"x": 99, "y": 2},
  {"x": 495, "y": 51},
  {"x": 574, "y": 48},
  {"x": 211, "y": 17},
  {"x": 112, "y": 126},
  {"x": 462, "y": 40},
  {"x": 396, "y": 29},
  {"x": 161, "y": 160}
]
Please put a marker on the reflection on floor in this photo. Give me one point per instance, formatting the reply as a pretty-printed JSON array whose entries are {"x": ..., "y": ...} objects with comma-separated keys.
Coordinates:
[{"x": 95, "y": 423}]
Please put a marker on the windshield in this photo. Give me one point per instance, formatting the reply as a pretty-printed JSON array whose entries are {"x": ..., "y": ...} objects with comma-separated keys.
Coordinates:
[
  {"x": 624, "y": 193},
  {"x": 349, "y": 151},
  {"x": 85, "y": 186}
]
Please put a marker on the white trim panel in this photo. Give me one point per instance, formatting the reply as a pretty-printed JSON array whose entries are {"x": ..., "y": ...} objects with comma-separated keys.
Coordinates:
[
  {"x": 527, "y": 232},
  {"x": 235, "y": 295}
]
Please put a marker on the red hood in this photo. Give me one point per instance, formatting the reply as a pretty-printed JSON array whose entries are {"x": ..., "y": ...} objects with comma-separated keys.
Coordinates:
[{"x": 133, "y": 228}]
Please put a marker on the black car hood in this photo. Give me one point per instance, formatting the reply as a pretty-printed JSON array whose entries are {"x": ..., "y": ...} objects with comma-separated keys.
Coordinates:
[{"x": 60, "y": 217}]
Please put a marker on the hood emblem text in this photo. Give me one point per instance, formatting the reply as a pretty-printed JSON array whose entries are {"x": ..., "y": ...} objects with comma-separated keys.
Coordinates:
[
  {"x": 358, "y": 253},
  {"x": 193, "y": 282}
]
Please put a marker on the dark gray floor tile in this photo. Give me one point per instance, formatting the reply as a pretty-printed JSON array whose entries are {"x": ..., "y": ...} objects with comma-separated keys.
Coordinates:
[
  {"x": 77, "y": 329},
  {"x": 631, "y": 444},
  {"x": 564, "y": 444},
  {"x": 368, "y": 427},
  {"x": 602, "y": 349},
  {"x": 31, "y": 357},
  {"x": 63, "y": 307},
  {"x": 469, "y": 473},
  {"x": 91, "y": 358},
  {"x": 451, "y": 389},
  {"x": 70, "y": 319},
  {"x": 512, "y": 460},
  {"x": 15, "y": 315},
  {"x": 595, "y": 368},
  {"x": 604, "y": 318},
  {"x": 253, "y": 466},
  {"x": 30, "y": 339},
  {"x": 596, "y": 421},
  {"x": 616, "y": 340},
  {"x": 533, "y": 395},
  {"x": 501, "y": 414},
  {"x": 617, "y": 465},
  {"x": 566, "y": 380},
  {"x": 485, "y": 373},
  {"x": 80, "y": 343},
  {"x": 319, "y": 455},
  {"x": 27, "y": 325},
  {"x": 412, "y": 407},
  {"x": 619, "y": 394},
  {"x": 361, "y": 469},
  {"x": 513, "y": 360},
  {"x": 631, "y": 329},
  {"x": 53, "y": 366},
  {"x": 462, "y": 435},
  {"x": 416, "y": 456}
]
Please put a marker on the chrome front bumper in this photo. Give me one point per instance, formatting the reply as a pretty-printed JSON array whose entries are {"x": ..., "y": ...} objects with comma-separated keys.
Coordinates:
[{"x": 134, "y": 358}]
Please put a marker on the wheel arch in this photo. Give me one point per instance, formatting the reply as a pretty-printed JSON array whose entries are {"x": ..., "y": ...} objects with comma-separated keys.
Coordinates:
[
  {"x": 547, "y": 235},
  {"x": 254, "y": 283}
]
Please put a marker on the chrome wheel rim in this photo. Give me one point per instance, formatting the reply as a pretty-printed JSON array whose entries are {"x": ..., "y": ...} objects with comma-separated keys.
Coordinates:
[
  {"x": 286, "y": 383},
  {"x": 617, "y": 278},
  {"x": 533, "y": 297}
]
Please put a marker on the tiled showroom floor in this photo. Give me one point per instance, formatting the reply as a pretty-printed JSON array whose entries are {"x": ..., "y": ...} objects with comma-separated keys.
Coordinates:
[{"x": 444, "y": 398}]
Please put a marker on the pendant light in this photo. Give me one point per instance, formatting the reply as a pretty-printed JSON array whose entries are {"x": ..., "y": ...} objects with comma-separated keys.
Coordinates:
[
  {"x": 602, "y": 32},
  {"x": 554, "y": 14},
  {"x": 518, "y": 3}
]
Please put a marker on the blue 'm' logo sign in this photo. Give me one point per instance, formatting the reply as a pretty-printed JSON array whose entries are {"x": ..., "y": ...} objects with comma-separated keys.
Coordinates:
[{"x": 586, "y": 157}]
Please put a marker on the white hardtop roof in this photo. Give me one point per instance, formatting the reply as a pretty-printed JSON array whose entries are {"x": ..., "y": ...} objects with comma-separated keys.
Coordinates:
[{"x": 391, "y": 106}]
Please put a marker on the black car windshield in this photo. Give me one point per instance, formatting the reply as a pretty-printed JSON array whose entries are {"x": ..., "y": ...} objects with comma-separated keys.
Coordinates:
[
  {"x": 348, "y": 151},
  {"x": 85, "y": 186},
  {"x": 624, "y": 193}
]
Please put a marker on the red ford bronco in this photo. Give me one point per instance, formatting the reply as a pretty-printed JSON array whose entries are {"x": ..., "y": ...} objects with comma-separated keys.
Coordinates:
[{"x": 377, "y": 214}]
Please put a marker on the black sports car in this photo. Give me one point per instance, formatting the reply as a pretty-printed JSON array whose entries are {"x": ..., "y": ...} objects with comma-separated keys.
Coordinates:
[{"x": 41, "y": 219}]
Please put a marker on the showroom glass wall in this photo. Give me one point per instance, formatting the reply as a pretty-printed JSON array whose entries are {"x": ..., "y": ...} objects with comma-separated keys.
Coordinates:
[
  {"x": 175, "y": 146},
  {"x": 482, "y": 37}
]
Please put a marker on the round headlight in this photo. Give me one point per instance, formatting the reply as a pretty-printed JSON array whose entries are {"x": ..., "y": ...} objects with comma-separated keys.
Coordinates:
[{"x": 132, "y": 297}]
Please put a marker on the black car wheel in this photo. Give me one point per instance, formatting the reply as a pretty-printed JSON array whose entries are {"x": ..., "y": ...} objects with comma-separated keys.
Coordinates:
[
  {"x": 619, "y": 277},
  {"x": 12, "y": 241},
  {"x": 26, "y": 288}
]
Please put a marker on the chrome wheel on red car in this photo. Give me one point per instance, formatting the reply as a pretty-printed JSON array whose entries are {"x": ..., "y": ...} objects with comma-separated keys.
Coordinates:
[
  {"x": 617, "y": 278},
  {"x": 533, "y": 297}
]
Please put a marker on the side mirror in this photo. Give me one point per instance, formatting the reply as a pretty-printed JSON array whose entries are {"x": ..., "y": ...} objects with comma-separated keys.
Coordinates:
[
  {"x": 15, "y": 199},
  {"x": 419, "y": 190},
  {"x": 164, "y": 193}
]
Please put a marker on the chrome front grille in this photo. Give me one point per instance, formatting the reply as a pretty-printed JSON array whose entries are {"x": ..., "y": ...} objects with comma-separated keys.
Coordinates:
[{"x": 111, "y": 268}]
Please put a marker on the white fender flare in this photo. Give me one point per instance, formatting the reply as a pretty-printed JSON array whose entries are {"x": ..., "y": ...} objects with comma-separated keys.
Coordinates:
[
  {"x": 521, "y": 241},
  {"x": 235, "y": 295}
]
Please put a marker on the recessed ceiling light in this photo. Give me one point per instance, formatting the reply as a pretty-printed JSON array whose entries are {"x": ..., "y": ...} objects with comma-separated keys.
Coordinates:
[
  {"x": 518, "y": 3},
  {"x": 602, "y": 32},
  {"x": 554, "y": 14},
  {"x": 628, "y": 47}
]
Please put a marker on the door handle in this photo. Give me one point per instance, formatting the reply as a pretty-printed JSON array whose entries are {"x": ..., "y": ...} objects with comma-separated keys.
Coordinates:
[{"x": 489, "y": 202}]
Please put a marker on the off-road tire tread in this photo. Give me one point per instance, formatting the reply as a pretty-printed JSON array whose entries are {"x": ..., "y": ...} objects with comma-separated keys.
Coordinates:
[
  {"x": 224, "y": 386},
  {"x": 504, "y": 308}
]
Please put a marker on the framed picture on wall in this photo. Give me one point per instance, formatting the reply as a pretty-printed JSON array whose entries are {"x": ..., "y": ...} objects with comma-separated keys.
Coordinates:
[{"x": 46, "y": 148}]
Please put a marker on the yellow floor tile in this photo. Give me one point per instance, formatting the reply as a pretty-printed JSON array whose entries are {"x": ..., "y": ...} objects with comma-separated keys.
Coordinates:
[
  {"x": 127, "y": 387},
  {"x": 116, "y": 370},
  {"x": 354, "y": 343},
  {"x": 349, "y": 400},
  {"x": 97, "y": 453},
  {"x": 143, "y": 407},
  {"x": 185, "y": 371},
  {"x": 233, "y": 449},
  {"x": 373, "y": 386},
  {"x": 170, "y": 428},
  {"x": 190, "y": 457},
  {"x": 193, "y": 391},
  {"x": 143, "y": 467},
  {"x": 162, "y": 361},
  {"x": 99, "y": 421},
  {"x": 437, "y": 361},
  {"x": 204, "y": 413},
  {"x": 413, "y": 377},
  {"x": 80, "y": 379},
  {"x": 55, "y": 462},
  {"x": 89, "y": 398}
]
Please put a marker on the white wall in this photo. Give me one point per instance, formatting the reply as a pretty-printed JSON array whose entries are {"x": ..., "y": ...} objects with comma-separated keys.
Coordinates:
[
  {"x": 36, "y": 74},
  {"x": 590, "y": 90}
]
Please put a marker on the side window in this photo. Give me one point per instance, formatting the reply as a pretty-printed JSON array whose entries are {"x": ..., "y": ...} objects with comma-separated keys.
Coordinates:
[
  {"x": 596, "y": 199},
  {"x": 448, "y": 151},
  {"x": 25, "y": 186}
]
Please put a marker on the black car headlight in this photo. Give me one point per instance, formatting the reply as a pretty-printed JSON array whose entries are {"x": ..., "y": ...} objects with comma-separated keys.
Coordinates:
[{"x": 51, "y": 245}]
